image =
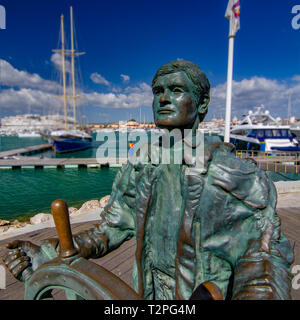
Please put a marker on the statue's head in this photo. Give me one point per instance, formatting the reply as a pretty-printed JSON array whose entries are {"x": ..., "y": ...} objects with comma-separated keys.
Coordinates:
[{"x": 181, "y": 95}]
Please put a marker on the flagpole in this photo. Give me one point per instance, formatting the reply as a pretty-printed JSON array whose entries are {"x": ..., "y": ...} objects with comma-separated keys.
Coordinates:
[{"x": 229, "y": 89}]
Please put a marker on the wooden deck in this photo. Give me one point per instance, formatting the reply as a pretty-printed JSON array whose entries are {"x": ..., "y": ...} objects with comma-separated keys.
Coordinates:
[{"x": 120, "y": 261}]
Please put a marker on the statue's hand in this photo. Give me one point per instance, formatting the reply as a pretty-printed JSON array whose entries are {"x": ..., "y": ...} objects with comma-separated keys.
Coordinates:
[{"x": 23, "y": 258}]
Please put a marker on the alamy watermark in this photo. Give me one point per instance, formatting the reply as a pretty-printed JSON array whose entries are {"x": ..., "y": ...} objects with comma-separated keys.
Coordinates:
[
  {"x": 296, "y": 278},
  {"x": 2, "y": 17},
  {"x": 161, "y": 146},
  {"x": 296, "y": 19}
]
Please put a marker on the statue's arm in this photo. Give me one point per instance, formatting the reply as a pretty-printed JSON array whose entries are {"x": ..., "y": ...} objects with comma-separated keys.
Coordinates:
[
  {"x": 263, "y": 272},
  {"x": 116, "y": 223}
]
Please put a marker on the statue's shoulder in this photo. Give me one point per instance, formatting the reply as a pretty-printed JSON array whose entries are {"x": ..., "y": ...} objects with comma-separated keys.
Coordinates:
[
  {"x": 225, "y": 154},
  {"x": 241, "y": 177}
]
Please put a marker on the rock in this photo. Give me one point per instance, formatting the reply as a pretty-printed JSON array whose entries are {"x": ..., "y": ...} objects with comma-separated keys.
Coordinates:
[
  {"x": 4, "y": 223},
  {"x": 41, "y": 218},
  {"x": 18, "y": 224},
  {"x": 4, "y": 228},
  {"x": 103, "y": 201},
  {"x": 72, "y": 210},
  {"x": 89, "y": 205}
]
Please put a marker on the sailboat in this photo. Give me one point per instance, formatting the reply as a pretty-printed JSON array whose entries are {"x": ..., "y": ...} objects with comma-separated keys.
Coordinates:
[{"x": 68, "y": 140}]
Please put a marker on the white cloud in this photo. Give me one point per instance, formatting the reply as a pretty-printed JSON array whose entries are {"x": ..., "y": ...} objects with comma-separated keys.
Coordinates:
[
  {"x": 56, "y": 59},
  {"x": 97, "y": 78},
  {"x": 26, "y": 90},
  {"x": 296, "y": 78},
  {"x": 29, "y": 101},
  {"x": 250, "y": 93},
  {"x": 125, "y": 77},
  {"x": 30, "y": 92},
  {"x": 131, "y": 97},
  {"x": 12, "y": 77}
]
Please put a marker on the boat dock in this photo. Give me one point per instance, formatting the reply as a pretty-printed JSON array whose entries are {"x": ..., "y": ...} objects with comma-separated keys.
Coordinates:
[
  {"x": 60, "y": 163},
  {"x": 19, "y": 159},
  {"x": 25, "y": 151}
]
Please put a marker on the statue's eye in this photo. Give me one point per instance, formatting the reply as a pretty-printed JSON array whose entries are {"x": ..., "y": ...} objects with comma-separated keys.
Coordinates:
[{"x": 177, "y": 90}]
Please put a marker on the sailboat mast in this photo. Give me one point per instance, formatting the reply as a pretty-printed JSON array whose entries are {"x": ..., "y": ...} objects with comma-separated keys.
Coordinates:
[
  {"x": 63, "y": 53},
  {"x": 73, "y": 66},
  {"x": 289, "y": 107},
  {"x": 140, "y": 114}
]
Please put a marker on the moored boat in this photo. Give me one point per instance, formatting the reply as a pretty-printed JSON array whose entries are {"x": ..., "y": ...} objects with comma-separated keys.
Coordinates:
[
  {"x": 260, "y": 131},
  {"x": 64, "y": 141}
]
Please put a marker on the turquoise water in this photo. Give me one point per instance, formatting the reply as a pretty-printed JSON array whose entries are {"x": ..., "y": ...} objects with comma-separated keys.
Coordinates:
[
  {"x": 26, "y": 192},
  {"x": 10, "y": 143}
]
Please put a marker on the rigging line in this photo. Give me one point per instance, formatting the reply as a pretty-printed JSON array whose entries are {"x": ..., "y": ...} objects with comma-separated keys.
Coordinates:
[{"x": 78, "y": 75}]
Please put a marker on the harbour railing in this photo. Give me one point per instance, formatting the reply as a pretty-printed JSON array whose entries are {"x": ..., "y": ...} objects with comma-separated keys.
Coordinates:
[{"x": 277, "y": 161}]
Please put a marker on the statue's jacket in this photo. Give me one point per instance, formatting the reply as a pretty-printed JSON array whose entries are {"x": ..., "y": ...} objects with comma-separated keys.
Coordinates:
[{"x": 229, "y": 232}]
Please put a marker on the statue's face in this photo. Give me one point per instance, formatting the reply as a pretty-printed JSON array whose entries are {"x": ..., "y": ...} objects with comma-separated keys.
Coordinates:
[{"x": 174, "y": 105}]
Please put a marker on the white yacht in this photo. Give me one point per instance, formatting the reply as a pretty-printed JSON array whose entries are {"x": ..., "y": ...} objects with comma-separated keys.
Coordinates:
[
  {"x": 260, "y": 131},
  {"x": 28, "y": 134}
]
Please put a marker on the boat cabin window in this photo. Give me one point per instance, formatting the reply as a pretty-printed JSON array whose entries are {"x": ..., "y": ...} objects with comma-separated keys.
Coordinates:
[
  {"x": 286, "y": 133},
  {"x": 270, "y": 133},
  {"x": 276, "y": 133},
  {"x": 254, "y": 133}
]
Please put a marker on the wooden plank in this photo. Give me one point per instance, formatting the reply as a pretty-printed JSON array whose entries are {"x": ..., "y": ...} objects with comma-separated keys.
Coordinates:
[
  {"x": 290, "y": 225},
  {"x": 120, "y": 260}
]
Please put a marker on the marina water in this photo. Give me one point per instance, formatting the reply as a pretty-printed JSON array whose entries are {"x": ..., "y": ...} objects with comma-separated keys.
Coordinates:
[{"x": 26, "y": 192}]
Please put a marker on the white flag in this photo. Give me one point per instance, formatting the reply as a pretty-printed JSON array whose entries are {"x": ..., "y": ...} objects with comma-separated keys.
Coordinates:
[{"x": 233, "y": 14}]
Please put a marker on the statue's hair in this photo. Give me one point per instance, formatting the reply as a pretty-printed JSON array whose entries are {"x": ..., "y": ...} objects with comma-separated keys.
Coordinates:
[{"x": 193, "y": 72}]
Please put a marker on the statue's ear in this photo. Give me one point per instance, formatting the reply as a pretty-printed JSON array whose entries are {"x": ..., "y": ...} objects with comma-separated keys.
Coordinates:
[{"x": 202, "y": 109}]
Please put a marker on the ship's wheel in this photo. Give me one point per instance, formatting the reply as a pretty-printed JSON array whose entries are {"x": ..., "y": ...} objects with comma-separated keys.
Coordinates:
[{"x": 76, "y": 277}]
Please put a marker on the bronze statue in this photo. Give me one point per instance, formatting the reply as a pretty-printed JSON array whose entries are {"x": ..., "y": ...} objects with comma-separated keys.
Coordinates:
[{"x": 216, "y": 226}]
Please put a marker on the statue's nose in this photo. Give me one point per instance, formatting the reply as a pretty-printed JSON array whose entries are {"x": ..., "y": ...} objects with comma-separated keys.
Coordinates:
[{"x": 165, "y": 97}]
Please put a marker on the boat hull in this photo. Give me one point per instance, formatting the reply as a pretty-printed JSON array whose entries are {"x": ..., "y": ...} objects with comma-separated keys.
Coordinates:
[{"x": 70, "y": 145}]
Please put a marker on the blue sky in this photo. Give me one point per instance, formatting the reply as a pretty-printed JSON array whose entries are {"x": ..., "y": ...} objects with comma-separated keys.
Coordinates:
[{"x": 127, "y": 40}]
